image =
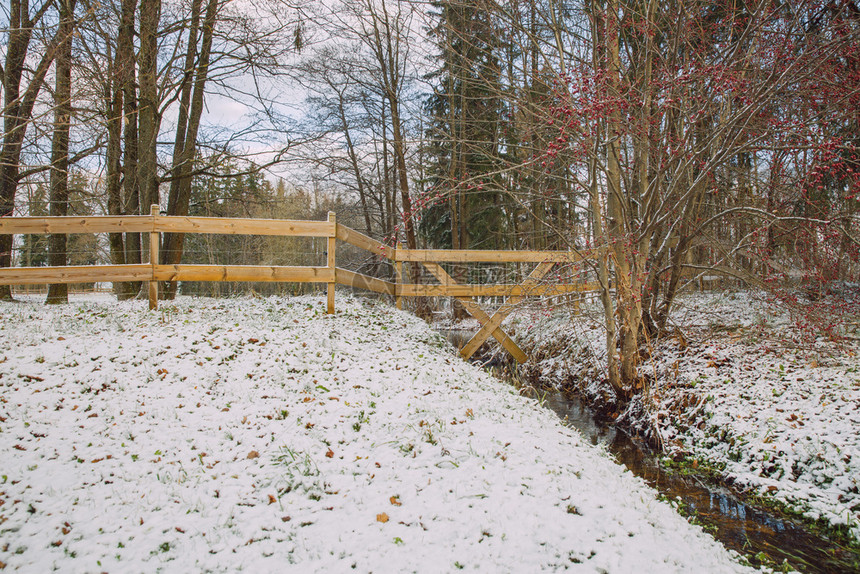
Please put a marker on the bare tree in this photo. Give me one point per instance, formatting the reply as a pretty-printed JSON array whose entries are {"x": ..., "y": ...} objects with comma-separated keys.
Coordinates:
[
  {"x": 149, "y": 105},
  {"x": 18, "y": 101},
  {"x": 188, "y": 125},
  {"x": 59, "y": 200}
]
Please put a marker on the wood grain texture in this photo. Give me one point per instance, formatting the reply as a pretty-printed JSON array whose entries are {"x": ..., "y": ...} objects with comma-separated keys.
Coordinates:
[
  {"x": 243, "y": 273},
  {"x": 487, "y": 256},
  {"x": 154, "y": 240},
  {"x": 352, "y": 279},
  {"x": 71, "y": 225},
  {"x": 362, "y": 241},
  {"x": 487, "y": 328},
  {"x": 230, "y": 226},
  {"x": 506, "y": 290},
  {"x": 75, "y": 274},
  {"x": 478, "y": 313},
  {"x": 331, "y": 263}
]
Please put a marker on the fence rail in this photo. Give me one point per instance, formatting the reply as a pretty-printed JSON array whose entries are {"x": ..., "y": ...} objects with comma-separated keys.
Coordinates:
[
  {"x": 164, "y": 224},
  {"x": 485, "y": 256},
  {"x": 154, "y": 272}
]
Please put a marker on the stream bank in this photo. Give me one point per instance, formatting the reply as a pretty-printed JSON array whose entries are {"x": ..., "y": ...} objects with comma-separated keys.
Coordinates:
[
  {"x": 733, "y": 515},
  {"x": 764, "y": 537},
  {"x": 750, "y": 394}
]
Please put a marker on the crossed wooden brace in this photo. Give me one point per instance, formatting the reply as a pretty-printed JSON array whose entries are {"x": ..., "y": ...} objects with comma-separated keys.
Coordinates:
[{"x": 490, "y": 326}]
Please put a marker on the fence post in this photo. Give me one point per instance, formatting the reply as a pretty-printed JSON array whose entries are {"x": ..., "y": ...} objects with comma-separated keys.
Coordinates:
[
  {"x": 331, "y": 262},
  {"x": 153, "y": 259},
  {"x": 398, "y": 281}
]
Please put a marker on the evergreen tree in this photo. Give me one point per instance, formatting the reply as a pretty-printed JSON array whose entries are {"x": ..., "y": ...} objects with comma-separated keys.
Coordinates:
[
  {"x": 34, "y": 248},
  {"x": 463, "y": 140}
]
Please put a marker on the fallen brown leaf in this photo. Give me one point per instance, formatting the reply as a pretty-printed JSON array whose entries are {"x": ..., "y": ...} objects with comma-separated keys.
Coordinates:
[{"x": 382, "y": 518}]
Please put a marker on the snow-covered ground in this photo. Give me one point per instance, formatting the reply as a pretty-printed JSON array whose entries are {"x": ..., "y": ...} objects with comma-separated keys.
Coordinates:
[
  {"x": 261, "y": 435},
  {"x": 775, "y": 409}
]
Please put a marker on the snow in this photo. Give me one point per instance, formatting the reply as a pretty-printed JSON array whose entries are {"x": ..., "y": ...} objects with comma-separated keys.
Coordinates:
[
  {"x": 791, "y": 415},
  {"x": 777, "y": 413},
  {"x": 262, "y": 435}
]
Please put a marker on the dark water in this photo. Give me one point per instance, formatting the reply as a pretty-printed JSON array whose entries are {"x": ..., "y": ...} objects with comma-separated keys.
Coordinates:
[
  {"x": 757, "y": 534},
  {"x": 737, "y": 525}
]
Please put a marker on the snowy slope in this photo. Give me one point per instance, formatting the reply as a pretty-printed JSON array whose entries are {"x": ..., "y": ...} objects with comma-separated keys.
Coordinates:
[{"x": 261, "y": 435}]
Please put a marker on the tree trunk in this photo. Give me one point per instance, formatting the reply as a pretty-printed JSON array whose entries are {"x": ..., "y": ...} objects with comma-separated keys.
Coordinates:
[
  {"x": 186, "y": 143},
  {"x": 59, "y": 201},
  {"x": 148, "y": 113},
  {"x": 390, "y": 214},
  {"x": 130, "y": 184},
  {"x": 114, "y": 106},
  {"x": 18, "y": 109},
  {"x": 353, "y": 161},
  {"x": 615, "y": 211}
]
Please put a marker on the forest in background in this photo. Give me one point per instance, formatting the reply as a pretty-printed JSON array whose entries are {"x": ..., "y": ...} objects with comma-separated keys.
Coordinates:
[{"x": 666, "y": 140}]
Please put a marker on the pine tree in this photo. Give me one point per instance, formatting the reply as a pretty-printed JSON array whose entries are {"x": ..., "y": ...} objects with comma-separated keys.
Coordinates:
[{"x": 464, "y": 134}]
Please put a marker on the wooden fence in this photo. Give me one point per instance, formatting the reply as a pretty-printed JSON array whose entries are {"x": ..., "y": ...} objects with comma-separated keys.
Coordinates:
[{"x": 331, "y": 275}]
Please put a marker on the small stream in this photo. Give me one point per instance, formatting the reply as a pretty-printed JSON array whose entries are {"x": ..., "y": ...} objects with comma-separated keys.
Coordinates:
[
  {"x": 737, "y": 525},
  {"x": 752, "y": 532}
]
